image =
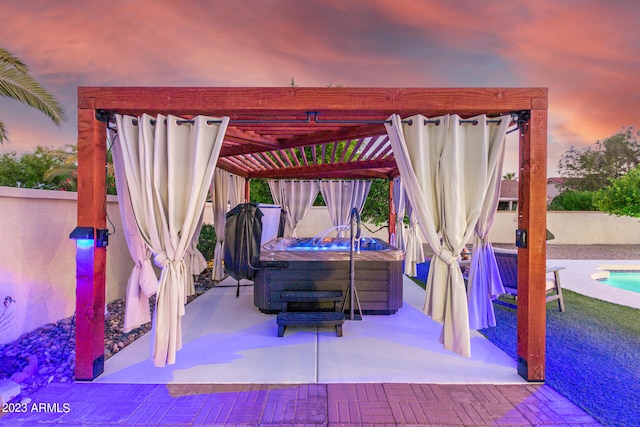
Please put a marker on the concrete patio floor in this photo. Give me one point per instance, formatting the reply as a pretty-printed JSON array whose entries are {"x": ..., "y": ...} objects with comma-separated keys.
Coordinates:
[{"x": 227, "y": 340}]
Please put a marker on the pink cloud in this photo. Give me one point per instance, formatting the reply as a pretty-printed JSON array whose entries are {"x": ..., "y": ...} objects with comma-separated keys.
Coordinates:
[
  {"x": 584, "y": 57},
  {"x": 585, "y": 54}
]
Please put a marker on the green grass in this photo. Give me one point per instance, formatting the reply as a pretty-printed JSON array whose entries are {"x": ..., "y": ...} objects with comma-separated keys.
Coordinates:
[{"x": 592, "y": 354}]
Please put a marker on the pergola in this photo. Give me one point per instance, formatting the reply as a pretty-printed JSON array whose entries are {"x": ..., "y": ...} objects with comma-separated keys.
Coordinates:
[{"x": 299, "y": 133}]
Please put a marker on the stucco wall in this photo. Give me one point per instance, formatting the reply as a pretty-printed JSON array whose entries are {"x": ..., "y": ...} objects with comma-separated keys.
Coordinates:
[
  {"x": 578, "y": 228},
  {"x": 37, "y": 258}
]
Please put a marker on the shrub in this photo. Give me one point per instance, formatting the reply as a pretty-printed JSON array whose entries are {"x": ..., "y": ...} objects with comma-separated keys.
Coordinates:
[
  {"x": 207, "y": 241},
  {"x": 574, "y": 201},
  {"x": 622, "y": 197},
  {"x": 376, "y": 207}
]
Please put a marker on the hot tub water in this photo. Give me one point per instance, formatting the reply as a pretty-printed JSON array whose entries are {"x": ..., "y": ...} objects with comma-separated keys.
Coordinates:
[{"x": 334, "y": 244}]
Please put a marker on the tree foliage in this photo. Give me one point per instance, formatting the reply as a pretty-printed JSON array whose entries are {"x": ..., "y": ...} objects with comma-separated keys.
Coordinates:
[
  {"x": 259, "y": 191},
  {"x": 47, "y": 168},
  {"x": 622, "y": 196},
  {"x": 69, "y": 169},
  {"x": 376, "y": 208},
  {"x": 593, "y": 168},
  {"x": 17, "y": 83},
  {"x": 27, "y": 170}
]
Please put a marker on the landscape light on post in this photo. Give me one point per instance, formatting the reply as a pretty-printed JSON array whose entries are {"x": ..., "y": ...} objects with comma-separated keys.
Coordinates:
[
  {"x": 85, "y": 245},
  {"x": 84, "y": 237}
]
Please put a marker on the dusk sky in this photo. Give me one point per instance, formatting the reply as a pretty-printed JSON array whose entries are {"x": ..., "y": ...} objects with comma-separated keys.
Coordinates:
[{"x": 587, "y": 53}]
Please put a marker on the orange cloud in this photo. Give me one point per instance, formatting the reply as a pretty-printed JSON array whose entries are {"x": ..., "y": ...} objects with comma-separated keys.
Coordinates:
[{"x": 586, "y": 54}]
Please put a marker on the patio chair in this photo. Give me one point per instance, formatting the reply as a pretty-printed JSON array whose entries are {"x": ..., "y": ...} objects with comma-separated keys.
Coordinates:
[
  {"x": 507, "y": 260},
  {"x": 422, "y": 269}
]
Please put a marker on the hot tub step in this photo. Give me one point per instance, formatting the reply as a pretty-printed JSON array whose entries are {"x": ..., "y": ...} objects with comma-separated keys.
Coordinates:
[
  {"x": 310, "y": 318},
  {"x": 308, "y": 301},
  {"x": 311, "y": 296}
]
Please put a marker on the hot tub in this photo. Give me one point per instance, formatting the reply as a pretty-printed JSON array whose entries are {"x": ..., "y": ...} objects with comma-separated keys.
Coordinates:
[{"x": 307, "y": 264}]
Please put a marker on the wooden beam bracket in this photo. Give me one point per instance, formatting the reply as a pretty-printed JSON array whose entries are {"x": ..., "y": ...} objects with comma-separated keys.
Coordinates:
[{"x": 104, "y": 116}]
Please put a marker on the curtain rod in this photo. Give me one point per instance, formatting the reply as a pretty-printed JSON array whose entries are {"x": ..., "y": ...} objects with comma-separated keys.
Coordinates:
[{"x": 105, "y": 116}]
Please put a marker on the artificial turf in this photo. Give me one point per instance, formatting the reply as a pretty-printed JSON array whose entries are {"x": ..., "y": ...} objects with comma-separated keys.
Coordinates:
[{"x": 592, "y": 355}]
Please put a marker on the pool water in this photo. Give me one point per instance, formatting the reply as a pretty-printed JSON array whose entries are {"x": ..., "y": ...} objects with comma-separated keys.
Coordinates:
[{"x": 627, "y": 280}]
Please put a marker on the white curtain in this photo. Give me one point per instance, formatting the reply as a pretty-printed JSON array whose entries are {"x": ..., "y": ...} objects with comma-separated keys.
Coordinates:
[
  {"x": 414, "y": 251},
  {"x": 485, "y": 284},
  {"x": 341, "y": 196},
  {"x": 276, "y": 192},
  {"x": 169, "y": 165},
  {"x": 194, "y": 258},
  {"x": 236, "y": 190},
  {"x": 143, "y": 281},
  {"x": 296, "y": 197},
  {"x": 220, "y": 204},
  {"x": 445, "y": 169},
  {"x": 398, "y": 239}
]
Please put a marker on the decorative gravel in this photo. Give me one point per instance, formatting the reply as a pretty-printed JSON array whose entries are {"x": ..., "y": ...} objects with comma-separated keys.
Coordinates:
[{"x": 47, "y": 354}]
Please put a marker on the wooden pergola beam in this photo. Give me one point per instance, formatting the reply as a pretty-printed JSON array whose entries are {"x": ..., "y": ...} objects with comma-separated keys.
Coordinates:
[
  {"x": 264, "y": 101},
  {"x": 336, "y": 170},
  {"x": 353, "y": 132}
]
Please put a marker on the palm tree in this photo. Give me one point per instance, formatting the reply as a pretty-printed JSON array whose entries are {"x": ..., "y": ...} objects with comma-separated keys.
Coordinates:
[
  {"x": 69, "y": 166},
  {"x": 17, "y": 83}
]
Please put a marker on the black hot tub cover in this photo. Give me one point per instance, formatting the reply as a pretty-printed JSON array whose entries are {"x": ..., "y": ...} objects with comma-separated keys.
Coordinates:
[{"x": 242, "y": 238}]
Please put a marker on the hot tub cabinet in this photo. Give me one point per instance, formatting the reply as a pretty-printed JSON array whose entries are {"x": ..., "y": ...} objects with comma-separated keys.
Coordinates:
[{"x": 378, "y": 274}]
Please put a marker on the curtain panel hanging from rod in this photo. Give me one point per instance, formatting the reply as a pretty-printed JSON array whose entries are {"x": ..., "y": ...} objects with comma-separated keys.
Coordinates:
[
  {"x": 168, "y": 169},
  {"x": 445, "y": 170}
]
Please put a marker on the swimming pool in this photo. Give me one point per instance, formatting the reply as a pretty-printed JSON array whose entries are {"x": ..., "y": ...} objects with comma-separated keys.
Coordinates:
[{"x": 628, "y": 280}]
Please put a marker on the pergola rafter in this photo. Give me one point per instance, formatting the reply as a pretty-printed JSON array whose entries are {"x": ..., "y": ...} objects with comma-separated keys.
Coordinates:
[
  {"x": 369, "y": 157},
  {"x": 270, "y": 127}
]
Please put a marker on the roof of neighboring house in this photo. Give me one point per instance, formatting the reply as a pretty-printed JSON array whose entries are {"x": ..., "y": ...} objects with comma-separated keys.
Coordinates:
[
  {"x": 555, "y": 180},
  {"x": 509, "y": 189}
]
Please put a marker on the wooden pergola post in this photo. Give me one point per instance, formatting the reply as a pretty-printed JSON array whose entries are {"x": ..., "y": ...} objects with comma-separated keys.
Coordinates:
[
  {"x": 90, "y": 260},
  {"x": 392, "y": 213},
  {"x": 532, "y": 220}
]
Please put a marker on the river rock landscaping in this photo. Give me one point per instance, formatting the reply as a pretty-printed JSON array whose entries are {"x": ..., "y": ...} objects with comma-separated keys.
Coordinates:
[{"x": 47, "y": 354}]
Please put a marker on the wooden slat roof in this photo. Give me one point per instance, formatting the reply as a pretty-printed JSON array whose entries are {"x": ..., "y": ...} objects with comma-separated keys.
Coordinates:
[{"x": 308, "y": 132}]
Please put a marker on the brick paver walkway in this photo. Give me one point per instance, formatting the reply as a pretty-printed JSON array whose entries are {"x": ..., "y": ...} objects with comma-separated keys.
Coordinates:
[{"x": 302, "y": 404}]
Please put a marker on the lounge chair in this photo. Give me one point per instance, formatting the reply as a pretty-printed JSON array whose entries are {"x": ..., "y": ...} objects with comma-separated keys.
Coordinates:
[{"x": 507, "y": 261}]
